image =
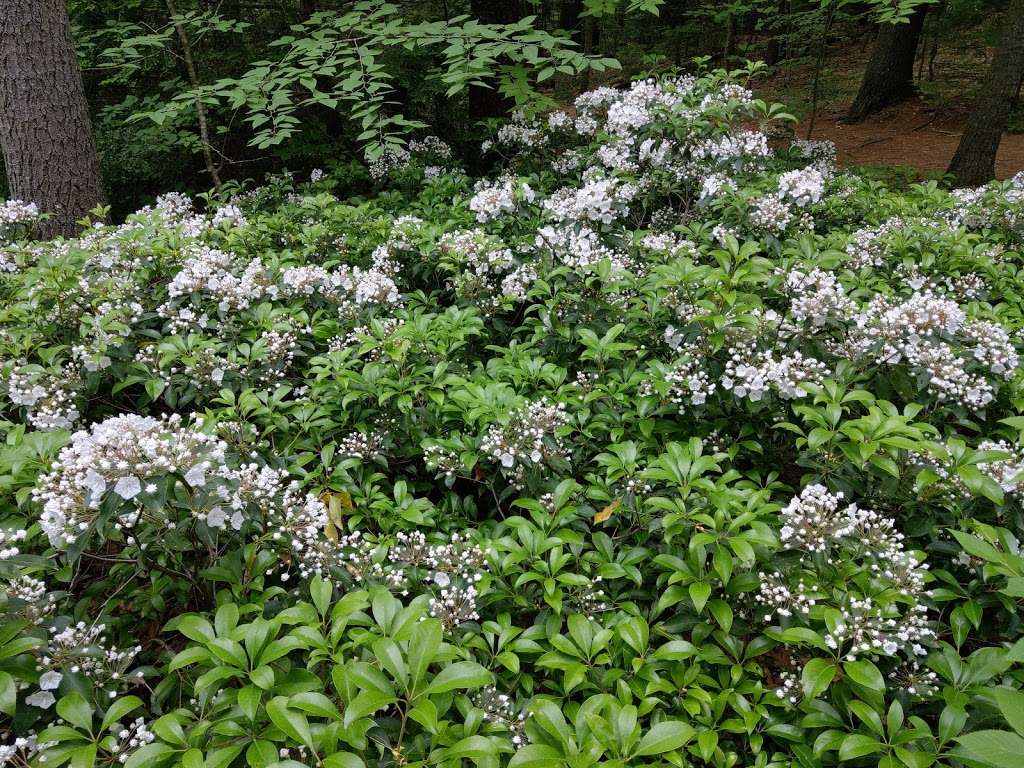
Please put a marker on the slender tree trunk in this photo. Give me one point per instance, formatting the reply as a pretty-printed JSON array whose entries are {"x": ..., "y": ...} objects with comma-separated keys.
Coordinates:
[
  {"x": 45, "y": 133},
  {"x": 193, "y": 78},
  {"x": 306, "y": 9},
  {"x": 776, "y": 48},
  {"x": 975, "y": 160},
  {"x": 889, "y": 75},
  {"x": 489, "y": 102},
  {"x": 569, "y": 18}
]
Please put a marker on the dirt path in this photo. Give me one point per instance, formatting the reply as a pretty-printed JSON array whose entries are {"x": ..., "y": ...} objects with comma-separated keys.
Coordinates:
[{"x": 910, "y": 134}]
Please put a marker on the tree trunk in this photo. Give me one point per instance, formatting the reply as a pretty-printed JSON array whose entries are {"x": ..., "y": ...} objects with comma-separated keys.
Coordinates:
[
  {"x": 776, "y": 51},
  {"x": 45, "y": 133},
  {"x": 306, "y": 9},
  {"x": 193, "y": 78},
  {"x": 889, "y": 75},
  {"x": 975, "y": 160},
  {"x": 489, "y": 102},
  {"x": 569, "y": 18}
]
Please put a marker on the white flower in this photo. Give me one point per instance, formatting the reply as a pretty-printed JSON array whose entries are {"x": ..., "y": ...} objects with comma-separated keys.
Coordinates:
[
  {"x": 95, "y": 483},
  {"x": 216, "y": 518},
  {"x": 49, "y": 681},
  {"x": 128, "y": 487},
  {"x": 196, "y": 476},
  {"x": 41, "y": 699}
]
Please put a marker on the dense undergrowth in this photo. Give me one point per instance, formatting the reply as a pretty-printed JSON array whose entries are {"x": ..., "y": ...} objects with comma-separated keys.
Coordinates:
[{"x": 666, "y": 447}]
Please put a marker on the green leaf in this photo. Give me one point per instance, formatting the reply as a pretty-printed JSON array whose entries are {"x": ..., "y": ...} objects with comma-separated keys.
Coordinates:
[
  {"x": 119, "y": 709},
  {"x": 150, "y": 756},
  {"x": 818, "y": 674},
  {"x": 8, "y": 694},
  {"x": 858, "y": 745},
  {"x": 699, "y": 591},
  {"x": 864, "y": 673},
  {"x": 664, "y": 737},
  {"x": 536, "y": 756},
  {"x": 76, "y": 710},
  {"x": 293, "y": 723},
  {"x": 462, "y": 674},
  {"x": 998, "y": 749},
  {"x": 1011, "y": 704}
]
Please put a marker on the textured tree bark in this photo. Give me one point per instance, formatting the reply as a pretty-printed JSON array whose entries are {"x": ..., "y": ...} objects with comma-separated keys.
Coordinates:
[
  {"x": 45, "y": 133},
  {"x": 975, "y": 160},
  {"x": 889, "y": 75},
  {"x": 306, "y": 9}
]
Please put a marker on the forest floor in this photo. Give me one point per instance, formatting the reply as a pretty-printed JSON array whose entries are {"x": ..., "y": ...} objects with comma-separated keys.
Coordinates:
[
  {"x": 919, "y": 136},
  {"x": 911, "y": 134}
]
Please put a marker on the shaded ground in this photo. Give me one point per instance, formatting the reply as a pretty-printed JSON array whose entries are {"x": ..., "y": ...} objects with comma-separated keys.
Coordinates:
[
  {"x": 911, "y": 134},
  {"x": 923, "y": 133}
]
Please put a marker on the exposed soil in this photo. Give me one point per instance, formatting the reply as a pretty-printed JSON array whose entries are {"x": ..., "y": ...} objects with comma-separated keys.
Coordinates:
[
  {"x": 922, "y": 133},
  {"x": 911, "y": 134}
]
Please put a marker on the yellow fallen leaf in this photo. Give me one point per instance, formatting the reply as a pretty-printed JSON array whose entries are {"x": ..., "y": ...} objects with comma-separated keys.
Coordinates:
[{"x": 607, "y": 512}]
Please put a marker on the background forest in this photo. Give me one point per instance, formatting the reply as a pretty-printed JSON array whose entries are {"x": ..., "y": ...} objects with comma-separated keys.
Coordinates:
[{"x": 181, "y": 96}]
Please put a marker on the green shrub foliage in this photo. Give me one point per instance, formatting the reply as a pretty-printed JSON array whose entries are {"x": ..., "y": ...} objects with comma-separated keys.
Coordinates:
[{"x": 671, "y": 444}]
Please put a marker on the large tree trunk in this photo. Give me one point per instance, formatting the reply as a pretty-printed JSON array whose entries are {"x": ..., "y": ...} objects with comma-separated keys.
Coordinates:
[
  {"x": 889, "y": 75},
  {"x": 45, "y": 134},
  {"x": 975, "y": 160}
]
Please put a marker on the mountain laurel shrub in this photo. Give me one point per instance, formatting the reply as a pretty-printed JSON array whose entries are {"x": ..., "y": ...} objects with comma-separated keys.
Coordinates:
[{"x": 669, "y": 444}]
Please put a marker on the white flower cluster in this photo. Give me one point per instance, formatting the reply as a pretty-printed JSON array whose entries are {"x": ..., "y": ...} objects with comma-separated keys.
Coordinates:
[
  {"x": 804, "y": 187},
  {"x": 501, "y": 710},
  {"x": 24, "y": 751},
  {"x": 752, "y": 373},
  {"x": 921, "y": 331},
  {"x": 529, "y": 437},
  {"x": 817, "y": 296},
  {"x": 867, "y": 629},
  {"x": 688, "y": 382},
  {"x": 715, "y": 184},
  {"x": 9, "y": 539},
  {"x": 125, "y": 456},
  {"x": 13, "y": 212},
  {"x": 498, "y": 198},
  {"x": 579, "y": 247},
  {"x": 1008, "y": 473},
  {"x": 598, "y": 200},
  {"x": 669, "y": 244},
  {"x": 735, "y": 149},
  {"x": 816, "y": 519},
  {"x": 81, "y": 649},
  {"x": 130, "y": 738},
  {"x": 770, "y": 213},
  {"x": 430, "y": 153},
  {"x": 215, "y": 272},
  {"x": 50, "y": 401},
  {"x": 31, "y": 598},
  {"x": 822, "y": 154},
  {"x": 777, "y": 596},
  {"x": 818, "y": 522}
]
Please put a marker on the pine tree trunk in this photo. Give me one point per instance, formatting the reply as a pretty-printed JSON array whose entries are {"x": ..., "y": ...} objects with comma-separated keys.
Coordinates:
[
  {"x": 975, "y": 160},
  {"x": 45, "y": 133},
  {"x": 889, "y": 75}
]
